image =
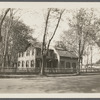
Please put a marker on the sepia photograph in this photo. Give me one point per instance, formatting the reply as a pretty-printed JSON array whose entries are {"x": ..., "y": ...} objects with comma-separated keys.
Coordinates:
[{"x": 49, "y": 47}]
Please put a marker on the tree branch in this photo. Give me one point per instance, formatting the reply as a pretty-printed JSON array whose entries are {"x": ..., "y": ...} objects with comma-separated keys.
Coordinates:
[
  {"x": 45, "y": 31},
  {"x": 81, "y": 53},
  {"x": 55, "y": 29},
  {"x": 2, "y": 20}
]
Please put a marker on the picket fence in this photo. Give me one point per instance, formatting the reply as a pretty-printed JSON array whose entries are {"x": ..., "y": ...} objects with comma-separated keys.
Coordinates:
[{"x": 47, "y": 70}]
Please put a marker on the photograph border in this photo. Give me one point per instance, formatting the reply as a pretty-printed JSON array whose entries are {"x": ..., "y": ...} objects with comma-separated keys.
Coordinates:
[{"x": 82, "y": 97}]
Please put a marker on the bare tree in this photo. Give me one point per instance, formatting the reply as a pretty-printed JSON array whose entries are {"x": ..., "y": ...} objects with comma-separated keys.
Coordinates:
[
  {"x": 45, "y": 45},
  {"x": 2, "y": 20},
  {"x": 81, "y": 25},
  {"x": 6, "y": 40}
]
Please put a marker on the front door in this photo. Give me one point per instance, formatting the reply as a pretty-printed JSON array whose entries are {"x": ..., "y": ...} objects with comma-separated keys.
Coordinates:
[
  {"x": 38, "y": 63},
  {"x": 49, "y": 64},
  {"x": 74, "y": 67}
]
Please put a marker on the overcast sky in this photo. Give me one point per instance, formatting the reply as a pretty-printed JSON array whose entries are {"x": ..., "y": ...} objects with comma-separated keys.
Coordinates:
[{"x": 35, "y": 18}]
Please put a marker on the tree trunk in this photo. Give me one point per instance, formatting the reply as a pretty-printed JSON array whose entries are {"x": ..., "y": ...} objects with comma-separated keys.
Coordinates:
[
  {"x": 4, "y": 63},
  {"x": 5, "y": 49},
  {"x": 9, "y": 61},
  {"x": 79, "y": 58},
  {"x": 81, "y": 62},
  {"x": 78, "y": 68},
  {"x": 91, "y": 56},
  {"x": 87, "y": 57},
  {"x": 43, "y": 65}
]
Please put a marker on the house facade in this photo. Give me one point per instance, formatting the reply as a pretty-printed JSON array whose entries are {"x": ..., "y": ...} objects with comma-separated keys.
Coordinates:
[{"x": 56, "y": 58}]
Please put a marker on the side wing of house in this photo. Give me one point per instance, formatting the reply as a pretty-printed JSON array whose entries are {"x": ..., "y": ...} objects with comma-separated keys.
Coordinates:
[{"x": 66, "y": 59}]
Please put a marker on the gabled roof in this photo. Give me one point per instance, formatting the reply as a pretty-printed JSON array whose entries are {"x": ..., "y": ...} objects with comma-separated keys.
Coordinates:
[
  {"x": 37, "y": 44},
  {"x": 63, "y": 53}
]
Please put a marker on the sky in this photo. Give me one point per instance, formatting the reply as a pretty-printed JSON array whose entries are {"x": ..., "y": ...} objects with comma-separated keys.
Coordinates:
[
  {"x": 33, "y": 15},
  {"x": 35, "y": 18}
]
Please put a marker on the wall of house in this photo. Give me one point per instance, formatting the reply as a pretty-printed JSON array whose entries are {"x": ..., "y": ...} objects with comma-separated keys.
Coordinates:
[
  {"x": 30, "y": 58},
  {"x": 36, "y": 57},
  {"x": 49, "y": 59},
  {"x": 66, "y": 60}
]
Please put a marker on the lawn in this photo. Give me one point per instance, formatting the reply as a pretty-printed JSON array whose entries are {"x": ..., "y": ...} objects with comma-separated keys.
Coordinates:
[{"x": 64, "y": 84}]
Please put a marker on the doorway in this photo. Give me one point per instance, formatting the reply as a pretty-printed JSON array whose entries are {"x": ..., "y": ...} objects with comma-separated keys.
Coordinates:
[{"x": 74, "y": 67}]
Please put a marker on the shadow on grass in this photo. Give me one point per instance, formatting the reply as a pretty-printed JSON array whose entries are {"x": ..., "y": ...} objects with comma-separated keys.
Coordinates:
[{"x": 46, "y": 75}]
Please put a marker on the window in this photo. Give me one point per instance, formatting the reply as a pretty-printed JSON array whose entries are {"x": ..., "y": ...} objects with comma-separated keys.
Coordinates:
[
  {"x": 32, "y": 51},
  {"x": 22, "y": 63},
  {"x": 55, "y": 63},
  {"x": 38, "y": 52},
  {"x": 19, "y": 55},
  {"x": 74, "y": 65},
  {"x": 49, "y": 63},
  {"x": 38, "y": 62},
  {"x": 62, "y": 63},
  {"x": 22, "y": 54},
  {"x": 67, "y": 64},
  {"x": 27, "y": 63},
  {"x": 27, "y": 53},
  {"x": 18, "y": 63},
  {"x": 32, "y": 63}
]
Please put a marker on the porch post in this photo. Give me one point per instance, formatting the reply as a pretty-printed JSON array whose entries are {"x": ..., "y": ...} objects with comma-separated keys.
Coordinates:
[{"x": 58, "y": 63}]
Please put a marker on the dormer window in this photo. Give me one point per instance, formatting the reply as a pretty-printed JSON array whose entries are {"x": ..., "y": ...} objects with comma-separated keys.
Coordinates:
[
  {"x": 22, "y": 54},
  {"x": 27, "y": 53}
]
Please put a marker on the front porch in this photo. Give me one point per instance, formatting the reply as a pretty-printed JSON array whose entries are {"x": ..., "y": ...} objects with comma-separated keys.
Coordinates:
[{"x": 50, "y": 63}]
